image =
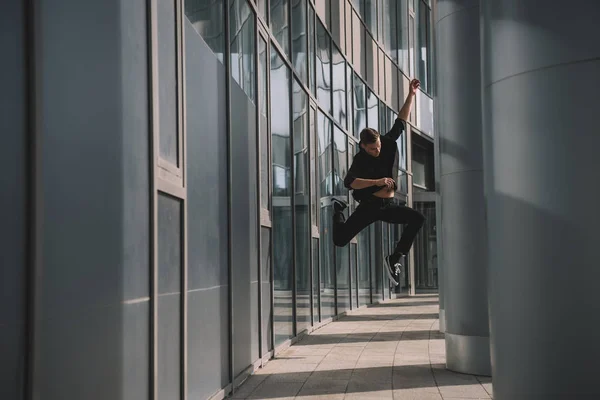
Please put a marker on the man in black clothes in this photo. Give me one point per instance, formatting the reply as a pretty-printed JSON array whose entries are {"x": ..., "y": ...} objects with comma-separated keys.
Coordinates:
[{"x": 372, "y": 177}]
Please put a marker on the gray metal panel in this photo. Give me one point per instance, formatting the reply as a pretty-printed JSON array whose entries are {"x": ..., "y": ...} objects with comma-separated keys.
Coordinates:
[
  {"x": 12, "y": 209},
  {"x": 136, "y": 358},
  {"x": 208, "y": 343},
  {"x": 81, "y": 355},
  {"x": 542, "y": 202},
  {"x": 136, "y": 229},
  {"x": 169, "y": 344},
  {"x": 244, "y": 222},
  {"x": 94, "y": 171},
  {"x": 206, "y": 164}
]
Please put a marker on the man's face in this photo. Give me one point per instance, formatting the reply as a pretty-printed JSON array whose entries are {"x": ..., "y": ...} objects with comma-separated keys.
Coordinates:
[{"x": 373, "y": 149}]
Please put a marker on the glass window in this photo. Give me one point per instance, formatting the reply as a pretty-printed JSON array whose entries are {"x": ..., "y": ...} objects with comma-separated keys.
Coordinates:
[
  {"x": 323, "y": 8},
  {"x": 311, "y": 50},
  {"x": 403, "y": 27},
  {"x": 364, "y": 273},
  {"x": 301, "y": 206},
  {"x": 242, "y": 46},
  {"x": 389, "y": 21},
  {"x": 423, "y": 47},
  {"x": 342, "y": 261},
  {"x": 262, "y": 8},
  {"x": 265, "y": 262},
  {"x": 383, "y": 118},
  {"x": 279, "y": 23},
  {"x": 263, "y": 121},
  {"x": 358, "y": 44},
  {"x": 324, "y": 139},
  {"x": 339, "y": 86},
  {"x": 316, "y": 269},
  {"x": 372, "y": 55},
  {"x": 323, "y": 73},
  {"x": 349, "y": 94},
  {"x": 370, "y": 16},
  {"x": 338, "y": 23},
  {"x": 360, "y": 108},
  {"x": 348, "y": 33},
  {"x": 372, "y": 111},
  {"x": 299, "y": 38},
  {"x": 314, "y": 167},
  {"x": 207, "y": 19},
  {"x": 282, "y": 192},
  {"x": 340, "y": 162}
]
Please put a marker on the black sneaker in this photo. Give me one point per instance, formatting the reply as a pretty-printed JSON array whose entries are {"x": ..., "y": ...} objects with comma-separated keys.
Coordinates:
[
  {"x": 391, "y": 270},
  {"x": 338, "y": 205}
]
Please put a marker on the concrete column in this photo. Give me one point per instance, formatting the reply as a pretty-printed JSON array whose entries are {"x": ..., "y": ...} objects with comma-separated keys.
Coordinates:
[
  {"x": 461, "y": 186},
  {"x": 541, "y": 80}
]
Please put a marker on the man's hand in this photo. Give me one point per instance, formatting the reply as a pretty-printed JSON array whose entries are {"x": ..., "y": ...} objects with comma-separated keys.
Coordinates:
[
  {"x": 387, "y": 182},
  {"x": 414, "y": 86}
]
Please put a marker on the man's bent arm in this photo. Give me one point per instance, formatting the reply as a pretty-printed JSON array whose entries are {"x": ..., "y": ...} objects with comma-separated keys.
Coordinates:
[{"x": 359, "y": 183}]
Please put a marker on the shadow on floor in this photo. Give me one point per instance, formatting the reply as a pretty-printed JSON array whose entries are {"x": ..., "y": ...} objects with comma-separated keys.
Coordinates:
[
  {"x": 317, "y": 339},
  {"x": 358, "y": 380},
  {"x": 388, "y": 317}
]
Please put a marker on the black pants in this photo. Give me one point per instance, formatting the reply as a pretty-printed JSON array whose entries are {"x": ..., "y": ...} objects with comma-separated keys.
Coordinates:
[{"x": 376, "y": 209}]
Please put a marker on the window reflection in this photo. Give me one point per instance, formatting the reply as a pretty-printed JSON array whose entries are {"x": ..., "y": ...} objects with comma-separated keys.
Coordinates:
[
  {"x": 299, "y": 38},
  {"x": 242, "y": 46},
  {"x": 339, "y": 86},
  {"x": 372, "y": 111},
  {"x": 282, "y": 191},
  {"x": 323, "y": 72},
  {"x": 279, "y": 23},
  {"x": 326, "y": 247},
  {"x": 370, "y": 16},
  {"x": 206, "y": 17},
  {"x": 311, "y": 51},
  {"x": 301, "y": 206},
  {"x": 424, "y": 46},
  {"x": 360, "y": 108}
]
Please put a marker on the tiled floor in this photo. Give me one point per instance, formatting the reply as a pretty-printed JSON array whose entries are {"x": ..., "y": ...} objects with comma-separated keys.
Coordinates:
[{"x": 389, "y": 351}]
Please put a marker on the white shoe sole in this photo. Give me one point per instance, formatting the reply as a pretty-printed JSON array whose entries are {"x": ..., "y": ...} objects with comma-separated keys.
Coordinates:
[{"x": 386, "y": 266}]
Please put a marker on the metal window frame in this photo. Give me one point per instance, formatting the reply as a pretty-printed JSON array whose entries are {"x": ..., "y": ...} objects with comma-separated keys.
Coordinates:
[{"x": 170, "y": 180}]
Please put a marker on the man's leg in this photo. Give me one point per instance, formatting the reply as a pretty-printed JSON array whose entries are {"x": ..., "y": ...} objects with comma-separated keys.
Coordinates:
[
  {"x": 413, "y": 220},
  {"x": 344, "y": 231}
]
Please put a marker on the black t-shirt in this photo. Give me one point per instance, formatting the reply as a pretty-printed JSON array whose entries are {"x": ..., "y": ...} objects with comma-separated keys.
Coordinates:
[{"x": 366, "y": 166}]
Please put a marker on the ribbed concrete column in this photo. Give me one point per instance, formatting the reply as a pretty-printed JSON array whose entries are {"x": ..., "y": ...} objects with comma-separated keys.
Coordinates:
[
  {"x": 541, "y": 79},
  {"x": 461, "y": 184}
]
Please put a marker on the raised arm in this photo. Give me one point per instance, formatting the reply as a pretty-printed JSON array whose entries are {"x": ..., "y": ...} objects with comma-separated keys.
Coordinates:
[{"x": 412, "y": 91}]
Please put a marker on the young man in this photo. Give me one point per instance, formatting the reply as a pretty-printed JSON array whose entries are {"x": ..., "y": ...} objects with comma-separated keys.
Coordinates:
[{"x": 372, "y": 177}]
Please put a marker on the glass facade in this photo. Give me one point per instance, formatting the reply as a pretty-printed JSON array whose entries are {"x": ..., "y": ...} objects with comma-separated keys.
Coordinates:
[{"x": 223, "y": 188}]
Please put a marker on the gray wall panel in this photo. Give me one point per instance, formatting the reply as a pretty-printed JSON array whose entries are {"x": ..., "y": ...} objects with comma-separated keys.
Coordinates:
[
  {"x": 206, "y": 164},
  {"x": 94, "y": 163},
  {"x": 244, "y": 227},
  {"x": 136, "y": 224},
  {"x": 12, "y": 200},
  {"x": 208, "y": 343},
  {"x": 136, "y": 357},
  {"x": 80, "y": 356}
]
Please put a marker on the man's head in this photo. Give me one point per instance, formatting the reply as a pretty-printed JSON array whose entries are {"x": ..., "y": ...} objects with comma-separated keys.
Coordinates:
[{"x": 370, "y": 142}]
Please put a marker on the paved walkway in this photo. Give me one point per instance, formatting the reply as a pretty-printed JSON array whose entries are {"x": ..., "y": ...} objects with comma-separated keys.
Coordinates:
[{"x": 388, "y": 351}]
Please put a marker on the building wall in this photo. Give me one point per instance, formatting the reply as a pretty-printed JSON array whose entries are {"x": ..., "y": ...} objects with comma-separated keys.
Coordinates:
[
  {"x": 156, "y": 281},
  {"x": 13, "y": 114}
]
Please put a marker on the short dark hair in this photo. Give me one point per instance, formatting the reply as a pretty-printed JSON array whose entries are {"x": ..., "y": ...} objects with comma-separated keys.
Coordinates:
[{"x": 369, "y": 136}]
